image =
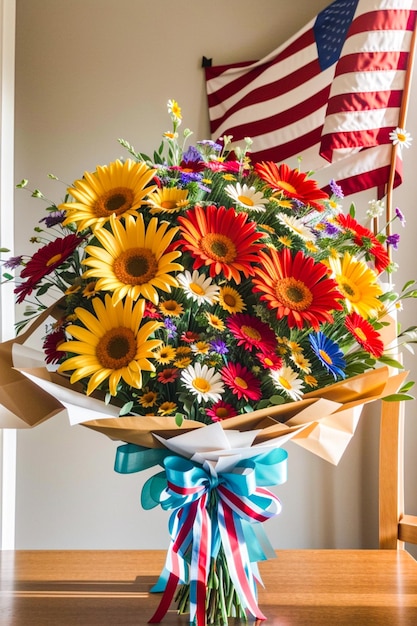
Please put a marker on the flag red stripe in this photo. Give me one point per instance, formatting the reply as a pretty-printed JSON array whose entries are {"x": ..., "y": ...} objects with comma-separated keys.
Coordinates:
[{"x": 290, "y": 108}]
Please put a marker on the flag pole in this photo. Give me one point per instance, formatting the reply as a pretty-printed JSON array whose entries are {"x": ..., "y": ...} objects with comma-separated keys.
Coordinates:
[{"x": 401, "y": 124}]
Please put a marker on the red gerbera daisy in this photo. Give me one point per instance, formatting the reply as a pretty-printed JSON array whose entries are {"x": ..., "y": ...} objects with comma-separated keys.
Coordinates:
[
  {"x": 221, "y": 411},
  {"x": 168, "y": 375},
  {"x": 223, "y": 166},
  {"x": 51, "y": 343},
  {"x": 190, "y": 337},
  {"x": 221, "y": 239},
  {"x": 292, "y": 183},
  {"x": 241, "y": 381},
  {"x": 24, "y": 290},
  {"x": 365, "y": 334},
  {"x": 365, "y": 238},
  {"x": 151, "y": 311},
  {"x": 297, "y": 288},
  {"x": 251, "y": 332},
  {"x": 270, "y": 361},
  {"x": 48, "y": 258}
]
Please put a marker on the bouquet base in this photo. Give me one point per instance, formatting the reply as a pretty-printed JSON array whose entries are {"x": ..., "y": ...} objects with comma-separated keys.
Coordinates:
[{"x": 222, "y": 599}]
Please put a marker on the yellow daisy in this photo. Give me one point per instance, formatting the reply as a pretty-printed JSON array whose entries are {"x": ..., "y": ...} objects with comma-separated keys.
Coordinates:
[
  {"x": 168, "y": 200},
  {"x": 183, "y": 362},
  {"x": 215, "y": 321},
  {"x": 311, "y": 381},
  {"x": 132, "y": 261},
  {"x": 113, "y": 345},
  {"x": 167, "y": 408},
  {"x": 171, "y": 308},
  {"x": 148, "y": 399},
  {"x": 174, "y": 109},
  {"x": 230, "y": 300},
  {"x": 165, "y": 354},
  {"x": 200, "y": 347},
  {"x": 183, "y": 351},
  {"x": 285, "y": 240},
  {"x": 358, "y": 285},
  {"x": 118, "y": 188},
  {"x": 90, "y": 289}
]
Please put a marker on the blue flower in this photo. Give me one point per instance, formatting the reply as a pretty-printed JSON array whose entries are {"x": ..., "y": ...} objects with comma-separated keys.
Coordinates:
[{"x": 329, "y": 354}]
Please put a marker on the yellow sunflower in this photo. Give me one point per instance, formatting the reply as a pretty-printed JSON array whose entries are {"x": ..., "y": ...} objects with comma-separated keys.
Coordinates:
[
  {"x": 113, "y": 345},
  {"x": 168, "y": 200},
  {"x": 358, "y": 285},
  {"x": 230, "y": 300},
  {"x": 118, "y": 188},
  {"x": 133, "y": 261}
]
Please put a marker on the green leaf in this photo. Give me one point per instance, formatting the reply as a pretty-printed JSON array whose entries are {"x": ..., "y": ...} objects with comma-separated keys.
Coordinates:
[
  {"x": 407, "y": 386},
  {"x": 43, "y": 289},
  {"x": 391, "y": 362},
  {"x": 8, "y": 276},
  {"x": 22, "y": 184},
  {"x": 179, "y": 419},
  {"x": 398, "y": 397},
  {"x": 126, "y": 408},
  {"x": 276, "y": 400}
]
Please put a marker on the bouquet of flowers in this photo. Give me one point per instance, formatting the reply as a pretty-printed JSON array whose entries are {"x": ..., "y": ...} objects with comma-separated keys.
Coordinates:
[{"x": 194, "y": 285}]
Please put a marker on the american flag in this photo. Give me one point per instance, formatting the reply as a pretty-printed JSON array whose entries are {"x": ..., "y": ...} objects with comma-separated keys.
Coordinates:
[{"x": 330, "y": 95}]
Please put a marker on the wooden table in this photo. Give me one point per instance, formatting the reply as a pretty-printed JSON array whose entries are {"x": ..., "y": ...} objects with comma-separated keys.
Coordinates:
[{"x": 302, "y": 587}]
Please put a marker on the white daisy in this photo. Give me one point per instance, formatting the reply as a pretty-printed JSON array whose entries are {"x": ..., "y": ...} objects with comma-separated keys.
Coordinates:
[
  {"x": 246, "y": 197},
  {"x": 296, "y": 226},
  {"x": 203, "y": 382},
  {"x": 286, "y": 379},
  {"x": 198, "y": 287},
  {"x": 401, "y": 138}
]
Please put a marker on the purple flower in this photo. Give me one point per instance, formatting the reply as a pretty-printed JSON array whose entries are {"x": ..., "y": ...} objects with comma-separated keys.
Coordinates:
[
  {"x": 192, "y": 154},
  {"x": 13, "y": 262},
  {"x": 57, "y": 217},
  {"x": 393, "y": 240},
  {"x": 219, "y": 346},
  {"x": 190, "y": 177},
  {"x": 400, "y": 216},
  {"x": 210, "y": 144},
  {"x": 331, "y": 229},
  {"x": 336, "y": 189},
  {"x": 170, "y": 327}
]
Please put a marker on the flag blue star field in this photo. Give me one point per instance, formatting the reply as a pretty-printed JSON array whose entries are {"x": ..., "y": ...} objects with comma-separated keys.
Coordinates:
[{"x": 330, "y": 95}]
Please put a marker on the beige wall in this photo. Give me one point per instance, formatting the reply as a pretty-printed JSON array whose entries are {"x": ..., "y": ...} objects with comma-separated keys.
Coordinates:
[{"x": 88, "y": 72}]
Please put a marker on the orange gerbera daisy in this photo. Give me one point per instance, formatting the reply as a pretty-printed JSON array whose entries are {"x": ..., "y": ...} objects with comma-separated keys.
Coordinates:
[
  {"x": 222, "y": 239},
  {"x": 292, "y": 183},
  {"x": 297, "y": 288}
]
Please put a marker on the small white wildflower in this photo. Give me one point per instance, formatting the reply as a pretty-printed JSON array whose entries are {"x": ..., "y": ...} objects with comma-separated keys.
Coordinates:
[{"x": 376, "y": 208}]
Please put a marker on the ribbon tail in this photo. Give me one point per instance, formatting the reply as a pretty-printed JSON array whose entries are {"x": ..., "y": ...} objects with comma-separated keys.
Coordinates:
[
  {"x": 166, "y": 600},
  {"x": 200, "y": 563},
  {"x": 237, "y": 555}
]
